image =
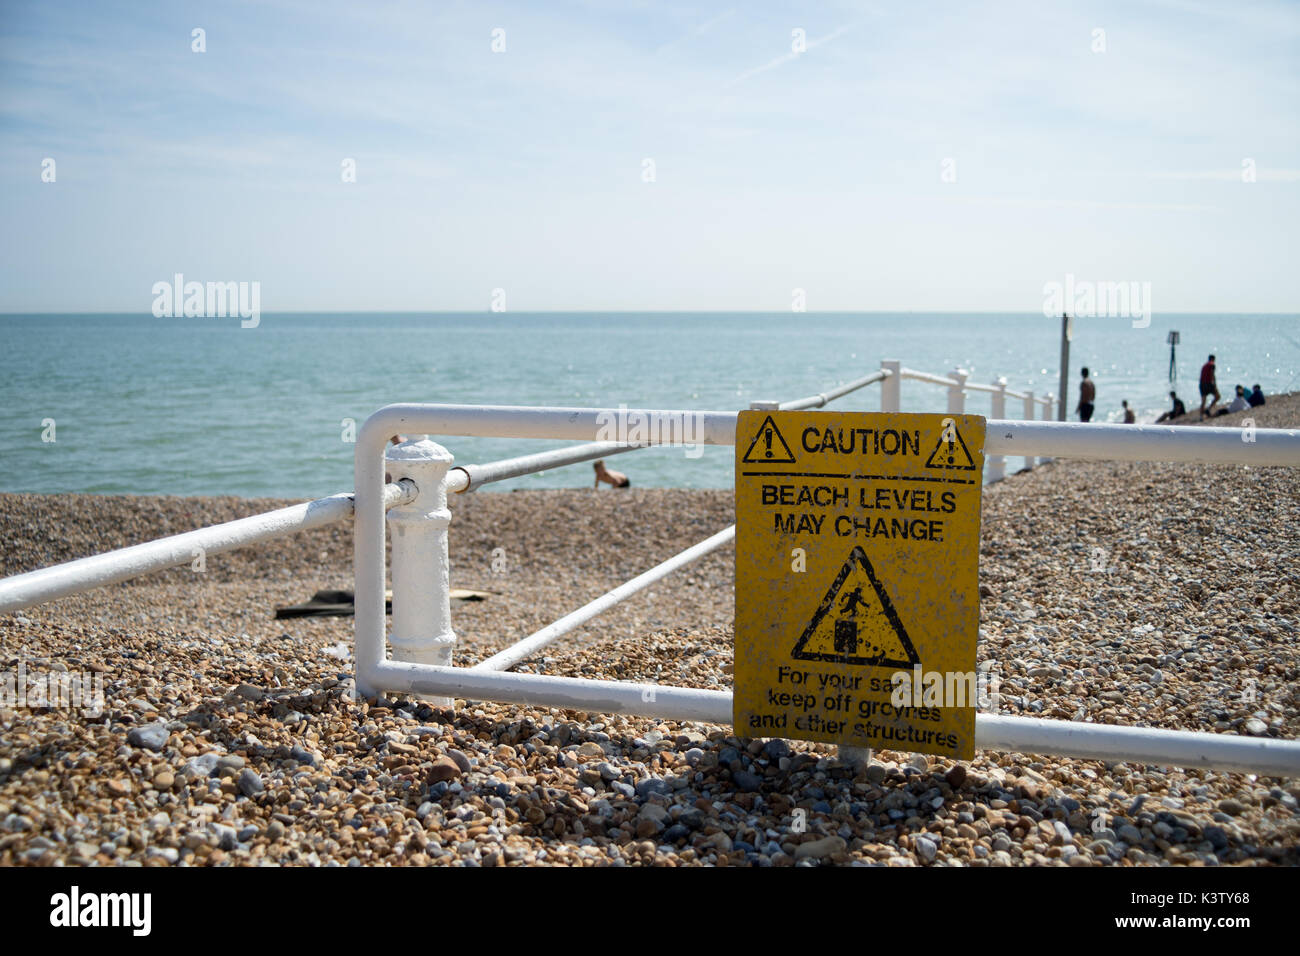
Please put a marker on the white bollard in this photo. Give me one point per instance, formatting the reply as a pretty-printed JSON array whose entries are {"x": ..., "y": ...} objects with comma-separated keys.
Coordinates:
[
  {"x": 957, "y": 393},
  {"x": 891, "y": 389},
  {"x": 1029, "y": 416},
  {"x": 997, "y": 463},
  {"x": 1047, "y": 417},
  {"x": 421, "y": 631}
]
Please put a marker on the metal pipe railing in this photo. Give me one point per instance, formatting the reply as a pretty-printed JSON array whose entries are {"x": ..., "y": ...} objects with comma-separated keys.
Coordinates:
[
  {"x": 822, "y": 398},
  {"x": 916, "y": 376},
  {"x": 530, "y": 645},
  {"x": 992, "y": 731},
  {"x": 464, "y": 478},
  {"x": 35, "y": 587}
]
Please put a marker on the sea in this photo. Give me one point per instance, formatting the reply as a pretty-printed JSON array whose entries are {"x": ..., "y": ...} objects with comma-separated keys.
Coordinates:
[{"x": 133, "y": 404}]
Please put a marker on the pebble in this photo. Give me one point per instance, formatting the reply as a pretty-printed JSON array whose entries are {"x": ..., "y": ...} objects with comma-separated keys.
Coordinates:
[
  {"x": 249, "y": 783},
  {"x": 819, "y": 849},
  {"x": 926, "y": 848},
  {"x": 442, "y": 770},
  {"x": 149, "y": 736}
]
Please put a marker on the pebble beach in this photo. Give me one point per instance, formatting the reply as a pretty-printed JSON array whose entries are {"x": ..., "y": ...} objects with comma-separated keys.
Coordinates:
[{"x": 1162, "y": 595}]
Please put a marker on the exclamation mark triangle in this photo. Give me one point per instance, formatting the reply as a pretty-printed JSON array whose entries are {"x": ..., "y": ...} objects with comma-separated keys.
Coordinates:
[
  {"x": 768, "y": 447},
  {"x": 950, "y": 452}
]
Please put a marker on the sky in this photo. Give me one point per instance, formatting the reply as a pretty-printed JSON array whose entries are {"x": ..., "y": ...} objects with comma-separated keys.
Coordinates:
[{"x": 929, "y": 156}]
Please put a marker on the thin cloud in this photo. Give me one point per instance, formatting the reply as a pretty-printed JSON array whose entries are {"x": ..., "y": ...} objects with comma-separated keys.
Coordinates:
[
  {"x": 703, "y": 28},
  {"x": 781, "y": 61}
]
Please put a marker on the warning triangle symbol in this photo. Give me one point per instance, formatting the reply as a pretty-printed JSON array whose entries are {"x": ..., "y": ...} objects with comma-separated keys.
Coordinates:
[
  {"x": 768, "y": 447},
  {"x": 856, "y": 622},
  {"x": 950, "y": 452}
]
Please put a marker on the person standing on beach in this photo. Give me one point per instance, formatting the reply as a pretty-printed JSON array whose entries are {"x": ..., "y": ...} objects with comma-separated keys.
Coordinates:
[
  {"x": 1087, "y": 398},
  {"x": 1129, "y": 417},
  {"x": 1208, "y": 386},
  {"x": 615, "y": 478}
]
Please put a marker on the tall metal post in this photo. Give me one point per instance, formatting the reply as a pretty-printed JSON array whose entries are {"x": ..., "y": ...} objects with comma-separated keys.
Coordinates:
[{"x": 1067, "y": 333}]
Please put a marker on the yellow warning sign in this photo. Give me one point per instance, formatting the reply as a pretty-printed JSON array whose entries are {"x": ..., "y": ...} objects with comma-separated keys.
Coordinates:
[{"x": 857, "y": 578}]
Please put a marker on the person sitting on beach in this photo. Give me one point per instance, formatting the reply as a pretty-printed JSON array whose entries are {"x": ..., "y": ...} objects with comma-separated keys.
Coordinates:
[
  {"x": 1178, "y": 411},
  {"x": 1208, "y": 387},
  {"x": 1256, "y": 398},
  {"x": 615, "y": 478},
  {"x": 1129, "y": 417},
  {"x": 1240, "y": 401},
  {"x": 1238, "y": 404}
]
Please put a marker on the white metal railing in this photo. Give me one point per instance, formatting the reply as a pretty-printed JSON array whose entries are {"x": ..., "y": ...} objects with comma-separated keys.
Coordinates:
[
  {"x": 422, "y": 642},
  {"x": 422, "y": 638},
  {"x": 112, "y": 567}
]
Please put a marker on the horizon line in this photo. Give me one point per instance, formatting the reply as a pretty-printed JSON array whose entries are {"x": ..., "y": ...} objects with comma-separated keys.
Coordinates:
[{"x": 8, "y": 314}]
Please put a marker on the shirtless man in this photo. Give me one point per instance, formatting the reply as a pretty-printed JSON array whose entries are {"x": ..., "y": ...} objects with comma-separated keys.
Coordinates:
[
  {"x": 615, "y": 478},
  {"x": 1087, "y": 398}
]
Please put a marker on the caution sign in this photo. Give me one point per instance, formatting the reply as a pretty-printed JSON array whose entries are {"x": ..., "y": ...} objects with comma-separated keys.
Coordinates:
[{"x": 857, "y": 576}]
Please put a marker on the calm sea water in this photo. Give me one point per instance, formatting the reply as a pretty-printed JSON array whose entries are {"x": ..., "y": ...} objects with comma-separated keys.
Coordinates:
[{"x": 201, "y": 406}]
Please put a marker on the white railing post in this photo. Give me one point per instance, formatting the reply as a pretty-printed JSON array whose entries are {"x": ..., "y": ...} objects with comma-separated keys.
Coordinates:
[
  {"x": 422, "y": 631},
  {"x": 957, "y": 392},
  {"x": 998, "y": 411},
  {"x": 1048, "y": 408},
  {"x": 1030, "y": 414},
  {"x": 891, "y": 391}
]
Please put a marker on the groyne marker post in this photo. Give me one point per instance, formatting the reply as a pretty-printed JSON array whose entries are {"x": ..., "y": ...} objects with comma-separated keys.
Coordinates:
[{"x": 1067, "y": 333}]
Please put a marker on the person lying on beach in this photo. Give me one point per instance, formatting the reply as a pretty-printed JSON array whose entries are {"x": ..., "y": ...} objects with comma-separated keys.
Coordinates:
[
  {"x": 1178, "y": 411},
  {"x": 1256, "y": 397},
  {"x": 615, "y": 478},
  {"x": 1238, "y": 404}
]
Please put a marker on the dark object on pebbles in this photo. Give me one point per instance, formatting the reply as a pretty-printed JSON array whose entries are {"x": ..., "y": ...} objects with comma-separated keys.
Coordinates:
[{"x": 331, "y": 603}]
